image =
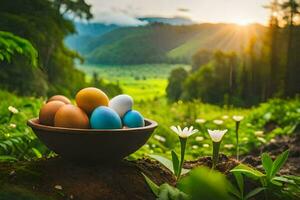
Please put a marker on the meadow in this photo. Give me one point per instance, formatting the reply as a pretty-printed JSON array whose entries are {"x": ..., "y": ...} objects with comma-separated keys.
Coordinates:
[
  {"x": 143, "y": 82},
  {"x": 17, "y": 141}
]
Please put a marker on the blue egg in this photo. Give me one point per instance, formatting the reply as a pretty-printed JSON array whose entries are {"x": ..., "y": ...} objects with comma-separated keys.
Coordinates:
[
  {"x": 105, "y": 118},
  {"x": 133, "y": 119}
]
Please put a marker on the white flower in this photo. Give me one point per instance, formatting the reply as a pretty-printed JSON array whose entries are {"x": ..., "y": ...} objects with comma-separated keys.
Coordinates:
[
  {"x": 225, "y": 117},
  {"x": 228, "y": 146},
  {"x": 184, "y": 133},
  {"x": 205, "y": 145},
  {"x": 13, "y": 109},
  {"x": 195, "y": 147},
  {"x": 272, "y": 140},
  {"x": 262, "y": 140},
  {"x": 159, "y": 138},
  {"x": 12, "y": 125},
  {"x": 259, "y": 133},
  {"x": 199, "y": 138},
  {"x": 237, "y": 118},
  {"x": 218, "y": 122},
  {"x": 58, "y": 187},
  {"x": 216, "y": 135},
  {"x": 200, "y": 121}
]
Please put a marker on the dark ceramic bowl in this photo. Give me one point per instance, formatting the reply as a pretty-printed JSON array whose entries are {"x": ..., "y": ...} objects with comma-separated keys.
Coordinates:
[{"x": 92, "y": 144}]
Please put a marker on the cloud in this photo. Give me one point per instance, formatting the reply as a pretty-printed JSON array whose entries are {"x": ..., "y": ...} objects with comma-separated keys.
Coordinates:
[
  {"x": 183, "y": 9},
  {"x": 118, "y": 18}
]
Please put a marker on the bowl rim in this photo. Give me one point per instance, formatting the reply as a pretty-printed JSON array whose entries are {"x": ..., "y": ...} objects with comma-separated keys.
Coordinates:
[{"x": 34, "y": 124}]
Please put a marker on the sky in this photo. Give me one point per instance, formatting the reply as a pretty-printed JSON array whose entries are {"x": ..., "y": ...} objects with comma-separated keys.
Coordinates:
[{"x": 125, "y": 12}]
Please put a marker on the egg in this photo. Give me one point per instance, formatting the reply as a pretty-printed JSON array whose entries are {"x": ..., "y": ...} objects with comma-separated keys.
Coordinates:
[
  {"x": 105, "y": 118},
  {"x": 70, "y": 116},
  {"x": 133, "y": 119},
  {"x": 48, "y": 111},
  {"x": 90, "y": 98},
  {"x": 59, "y": 98},
  {"x": 121, "y": 104}
]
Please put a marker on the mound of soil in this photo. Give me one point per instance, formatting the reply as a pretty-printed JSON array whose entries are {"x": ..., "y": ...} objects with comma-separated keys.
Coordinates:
[
  {"x": 54, "y": 178},
  {"x": 276, "y": 147},
  {"x": 58, "y": 179}
]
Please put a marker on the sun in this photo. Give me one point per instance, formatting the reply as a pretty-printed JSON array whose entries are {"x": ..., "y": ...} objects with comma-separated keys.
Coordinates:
[{"x": 242, "y": 22}]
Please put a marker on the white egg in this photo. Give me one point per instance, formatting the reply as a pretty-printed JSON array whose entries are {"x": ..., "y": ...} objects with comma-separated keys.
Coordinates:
[{"x": 121, "y": 104}]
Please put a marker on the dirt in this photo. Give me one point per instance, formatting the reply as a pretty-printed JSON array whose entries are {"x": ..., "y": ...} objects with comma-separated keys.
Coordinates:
[
  {"x": 279, "y": 145},
  {"x": 64, "y": 180},
  {"x": 58, "y": 179}
]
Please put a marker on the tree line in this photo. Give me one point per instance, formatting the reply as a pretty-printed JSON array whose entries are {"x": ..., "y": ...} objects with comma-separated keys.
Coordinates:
[
  {"x": 268, "y": 67},
  {"x": 43, "y": 24}
]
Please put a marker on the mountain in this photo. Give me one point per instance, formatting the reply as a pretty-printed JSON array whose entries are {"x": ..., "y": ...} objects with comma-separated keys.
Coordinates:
[
  {"x": 159, "y": 41},
  {"x": 86, "y": 32},
  {"x": 172, "y": 21},
  {"x": 156, "y": 43}
]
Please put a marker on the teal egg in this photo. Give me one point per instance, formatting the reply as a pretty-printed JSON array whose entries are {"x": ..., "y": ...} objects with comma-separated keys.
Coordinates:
[
  {"x": 105, "y": 118},
  {"x": 133, "y": 119}
]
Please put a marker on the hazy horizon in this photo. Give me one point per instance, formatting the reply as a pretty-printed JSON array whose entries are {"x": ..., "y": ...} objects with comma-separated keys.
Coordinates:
[{"x": 127, "y": 12}]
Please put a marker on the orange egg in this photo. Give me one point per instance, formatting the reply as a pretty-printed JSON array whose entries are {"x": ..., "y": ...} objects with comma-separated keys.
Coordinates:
[
  {"x": 60, "y": 98},
  {"x": 90, "y": 98},
  {"x": 70, "y": 116},
  {"x": 48, "y": 111}
]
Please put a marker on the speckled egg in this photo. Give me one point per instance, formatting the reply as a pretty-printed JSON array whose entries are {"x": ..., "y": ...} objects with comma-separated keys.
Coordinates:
[
  {"x": 133, "y": 119},
  {"x": 59, "y": 98},
  {"x": 105, "y": 118},
  {"x": 90, "y": 98},
  {"x": 70, "y": 116},
  {"x": 48, "y": 111},
  {"x": 121, "y": 104}
]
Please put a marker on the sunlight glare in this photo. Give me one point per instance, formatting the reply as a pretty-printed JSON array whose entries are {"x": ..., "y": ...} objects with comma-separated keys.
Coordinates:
[{"x": 243, "y": 22}]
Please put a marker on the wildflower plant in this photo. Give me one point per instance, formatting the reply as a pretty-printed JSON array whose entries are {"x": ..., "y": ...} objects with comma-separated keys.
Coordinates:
[
  {"x": 237, "y": 119},
  {"x": 273, "y": 184},
  {"x": 183, "y": 135},
  {"x": 216, "y": 137}
]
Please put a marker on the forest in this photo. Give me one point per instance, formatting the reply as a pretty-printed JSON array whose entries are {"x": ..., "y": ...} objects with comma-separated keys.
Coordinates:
[{"x": 218, "y": 104}]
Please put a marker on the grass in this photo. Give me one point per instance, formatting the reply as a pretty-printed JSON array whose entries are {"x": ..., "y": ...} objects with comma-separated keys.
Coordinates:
[
  {"x": 17, "y": 141},
  {"x": 143, "y": 82}
]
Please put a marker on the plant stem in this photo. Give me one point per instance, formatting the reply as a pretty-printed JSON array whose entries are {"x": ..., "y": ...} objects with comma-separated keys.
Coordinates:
[
  {"x": 215, "y": 158},
  {"x": 237, "y": 124},
  {"x": 182, "y": 151}
]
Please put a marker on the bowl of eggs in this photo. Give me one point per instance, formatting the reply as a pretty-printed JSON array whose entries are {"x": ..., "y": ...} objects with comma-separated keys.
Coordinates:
[{"x": 95, "y": 129}]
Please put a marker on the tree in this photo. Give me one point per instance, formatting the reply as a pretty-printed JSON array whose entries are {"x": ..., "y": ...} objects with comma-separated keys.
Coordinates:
[
  {"x": 200, "y": 58},
  {"x": 11, "y": 45},
  {"x": 175, "y": 86},
  {"x": 272, "y": 47},
  {"x": 291, "y": 10},
  {"x": 42, "y": 22}
]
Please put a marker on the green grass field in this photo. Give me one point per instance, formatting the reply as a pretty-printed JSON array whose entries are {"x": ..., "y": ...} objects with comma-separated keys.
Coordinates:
[
  {"x": 17, "y": 141},
  {"x": 142, "y": 82}
]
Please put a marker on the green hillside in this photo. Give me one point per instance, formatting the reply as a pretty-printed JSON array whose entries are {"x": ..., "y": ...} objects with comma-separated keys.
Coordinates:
[
  {"x": 158, "y": 43},
  {"x": 226, "y": 38}
]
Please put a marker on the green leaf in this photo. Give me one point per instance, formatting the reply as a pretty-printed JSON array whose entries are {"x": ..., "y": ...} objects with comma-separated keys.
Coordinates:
[
  {"x": 240, "y": 181},
  {"x": 164, "y": 161},
  {"x": 279, "y": 162},
  {"x": 254, "y": 192},
  {"x": 168, "y": 192},
  {"x": 267, "y": 163},
  {"x": 37, "y": 152},
  {"x": 154, "y": 188},
  {"x": 7, "y": 158},
  {"x": 296, "y": 179},
  {"x": 248, "y": 171},
  {"x": 233, "y": 190},
  {"x": 175, "y": 161}
]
